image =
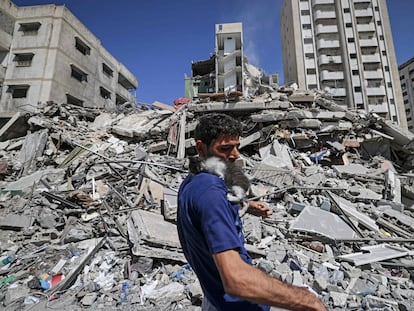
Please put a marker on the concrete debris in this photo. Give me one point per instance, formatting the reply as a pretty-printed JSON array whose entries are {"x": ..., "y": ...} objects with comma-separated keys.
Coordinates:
[{"x": 88, "y": 202}]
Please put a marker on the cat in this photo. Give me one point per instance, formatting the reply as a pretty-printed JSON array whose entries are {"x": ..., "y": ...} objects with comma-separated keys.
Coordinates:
[{"x": 238, "y": 185}]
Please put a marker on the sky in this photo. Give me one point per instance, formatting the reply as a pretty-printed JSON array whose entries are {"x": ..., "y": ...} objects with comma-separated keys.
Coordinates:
[{"x": 157, "y": 40}]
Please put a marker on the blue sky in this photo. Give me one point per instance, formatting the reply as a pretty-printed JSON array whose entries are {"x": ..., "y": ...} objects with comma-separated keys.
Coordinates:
[{"x": 157, "y": 40}]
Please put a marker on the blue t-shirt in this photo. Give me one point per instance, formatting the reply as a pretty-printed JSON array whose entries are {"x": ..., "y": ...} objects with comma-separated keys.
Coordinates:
[{"x": 208, "y": 224}]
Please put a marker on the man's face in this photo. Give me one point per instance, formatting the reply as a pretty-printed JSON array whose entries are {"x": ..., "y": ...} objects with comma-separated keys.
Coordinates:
[{"x": 225, "y": 147}]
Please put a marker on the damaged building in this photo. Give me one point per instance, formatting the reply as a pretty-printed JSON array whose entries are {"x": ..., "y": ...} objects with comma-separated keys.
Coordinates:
[
  {"x": 48, "y": 55},
  {"x": 227, "y": 71}
]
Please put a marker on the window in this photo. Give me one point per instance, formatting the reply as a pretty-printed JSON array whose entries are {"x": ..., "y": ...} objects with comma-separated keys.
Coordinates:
[
  {"x": 348, "y": 25},
  {"x": 23, "y": 59},
  {"x": 381, "y": 37},
  {"x": 307, "y": 40},
  {"x": 304, "y": 12},
  {"x": 82, "y": 46},
  {"x": 18, "y": 91},
  {"x": 384, "y": 53},
  {"x": 347, "y": 10},
  {"x": 311, "y": 71},
  {"x": 357, "y": 89},
  {"x": 120, "y": 99},
  {"x": 78, "y": 74},
  {"x": 104, "y": 92},
  {"x": 125, "y": 83},
  {"x": 306, "y": 26},
  {"x": 353, "y": 55},
  {"x": 106, "y": 70},
  {"x": 355, "y": 72},
  {"x": 379, "y": 23},
  {"x": 351, "y": 39},
  {"x": 29, "y": 29},
  {"x": 72, "y": 100},
  {"x": 405, "y": 93}
]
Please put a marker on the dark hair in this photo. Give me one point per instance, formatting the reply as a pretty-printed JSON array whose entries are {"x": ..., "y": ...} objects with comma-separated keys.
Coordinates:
[{"x": 213, "y": 125}]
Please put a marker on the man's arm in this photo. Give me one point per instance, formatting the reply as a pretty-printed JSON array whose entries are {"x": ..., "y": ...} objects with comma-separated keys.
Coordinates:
[{"x": 242, "y": 280}]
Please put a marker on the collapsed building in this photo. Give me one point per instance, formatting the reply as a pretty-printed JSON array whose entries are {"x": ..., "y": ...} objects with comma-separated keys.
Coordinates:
[{"x": 88, "y": 203}]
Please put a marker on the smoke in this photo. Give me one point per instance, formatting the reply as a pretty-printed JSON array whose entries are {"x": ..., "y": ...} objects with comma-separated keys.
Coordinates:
[{"x": 260, "y": 20}]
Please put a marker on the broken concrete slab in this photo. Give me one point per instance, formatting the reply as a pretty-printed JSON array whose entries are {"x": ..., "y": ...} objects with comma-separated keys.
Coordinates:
[
  {"x": 374, "y": 253},
  {"x": 315, "y": 220}
]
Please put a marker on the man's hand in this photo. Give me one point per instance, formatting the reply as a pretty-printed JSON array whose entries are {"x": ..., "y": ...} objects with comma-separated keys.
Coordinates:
[{"x": 259, "y": 208}]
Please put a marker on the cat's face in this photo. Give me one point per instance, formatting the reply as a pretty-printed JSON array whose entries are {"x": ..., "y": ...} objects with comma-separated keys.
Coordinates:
[{"x": 224, "y": 147}]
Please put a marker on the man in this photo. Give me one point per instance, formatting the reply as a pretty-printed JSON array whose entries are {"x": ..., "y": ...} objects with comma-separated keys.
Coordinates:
[{"x": 211, "y": 235}]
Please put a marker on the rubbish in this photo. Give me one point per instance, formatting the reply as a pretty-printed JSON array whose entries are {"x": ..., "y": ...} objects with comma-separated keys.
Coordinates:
[{"x": 91, "y": 222}]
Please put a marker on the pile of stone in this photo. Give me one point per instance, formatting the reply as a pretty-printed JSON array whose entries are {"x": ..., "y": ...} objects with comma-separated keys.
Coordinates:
[{"x": 88, "y": 203}]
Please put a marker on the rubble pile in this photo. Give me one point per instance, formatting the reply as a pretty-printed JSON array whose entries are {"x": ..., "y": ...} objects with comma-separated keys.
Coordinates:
[{"x": 88, "y": 203}]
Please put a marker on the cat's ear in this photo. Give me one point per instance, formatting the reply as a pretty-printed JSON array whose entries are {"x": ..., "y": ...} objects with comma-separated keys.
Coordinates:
[{"x": 194, "y": 164}]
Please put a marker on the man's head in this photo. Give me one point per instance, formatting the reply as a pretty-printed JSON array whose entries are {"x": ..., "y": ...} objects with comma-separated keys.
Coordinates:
[{"x": 218, "y": 135}]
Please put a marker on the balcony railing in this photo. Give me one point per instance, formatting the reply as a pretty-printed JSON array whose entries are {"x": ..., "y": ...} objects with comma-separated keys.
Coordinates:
[
  {"x": 366, "y": 27},
  {"x": 376, "y": 91},
  {"x": 320, "y": 29},
  {"x": 319, "y": 14},
  {"x": 331, "y": 75},
  {"x": 325, "y": 60},
  {"x": 375, "y": 58},
  {"x": 327, "y": 44}
]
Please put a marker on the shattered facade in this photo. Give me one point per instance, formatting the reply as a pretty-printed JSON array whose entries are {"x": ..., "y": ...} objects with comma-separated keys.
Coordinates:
[
  {"x": 47, "y": 54},
  {"x": 346, "y": 49},
  {"x": 229, "y": 57},
  {"x": 227, "y": 71},
  {"x": 407, "y": 86},
  {"x": 88, "y": 205}
]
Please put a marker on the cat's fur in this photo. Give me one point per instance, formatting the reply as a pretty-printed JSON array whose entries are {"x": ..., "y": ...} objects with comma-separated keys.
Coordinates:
[{"x": 236, "y": 181}]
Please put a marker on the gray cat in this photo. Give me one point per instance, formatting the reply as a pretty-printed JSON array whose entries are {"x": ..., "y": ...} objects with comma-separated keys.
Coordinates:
[{"x": 236, "y": 181}]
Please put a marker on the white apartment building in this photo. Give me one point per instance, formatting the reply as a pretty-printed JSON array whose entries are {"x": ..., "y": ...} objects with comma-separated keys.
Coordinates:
[
  {"x": 229, "y": 57},
  {"x": 345, "y": 48},
  {"x": 47, "y": 54},
  {"x": 407, "y": 86}
]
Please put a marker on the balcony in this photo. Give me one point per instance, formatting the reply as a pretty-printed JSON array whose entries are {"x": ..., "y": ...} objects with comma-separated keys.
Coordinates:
[
  {"x": 376, "y": 91},
  {"x": 322, "y": 2},
  {"x": 364, "y": 13},
  {"x": 327, "y": 44},
  {"x": 337, "y": 92},
  {"x": 378, "y": 108},
  {"x": 373, "y": 74},
  {"x": 319, "y": 14},
  {"x": 366, "y": 27},
  {"x": 375, "y": 58},
  {"x": 368, "y": 42},
  {"x": 325, "y": 60},
  {"x": 321, "y": 29},
  {"x": 331, "y": 75}
]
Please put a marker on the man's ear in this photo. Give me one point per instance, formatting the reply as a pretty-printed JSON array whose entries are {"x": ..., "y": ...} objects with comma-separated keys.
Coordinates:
[{"x": 201, "y": 148}]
